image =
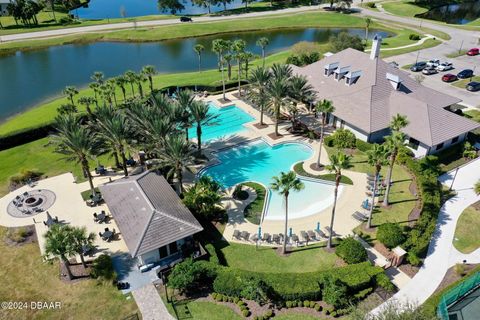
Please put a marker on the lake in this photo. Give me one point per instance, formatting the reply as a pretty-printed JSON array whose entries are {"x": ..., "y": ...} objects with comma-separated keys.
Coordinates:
[
  {"x": 462, "y": 13},
  {"x": 31, "y": 77},
  {"x": 103, "y": 9}
]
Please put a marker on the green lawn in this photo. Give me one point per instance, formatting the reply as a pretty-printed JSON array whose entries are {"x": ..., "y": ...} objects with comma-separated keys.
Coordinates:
[
  {"x": 467, "y": 237},
  {"x": 40, "y": 156},
  {"x": 265, "y": 259},
  {"x": 429, "y": 43},
  {"x": 473, "y": 114},
  {"x": 403, "y": 8},
  {"x": 31, "y": 279},
  {"x": 253, "y": 212},
  {"x": 457, "y": 53},
  {"x": 296, "y": 316},
  {"x": 463, "y": 83}
]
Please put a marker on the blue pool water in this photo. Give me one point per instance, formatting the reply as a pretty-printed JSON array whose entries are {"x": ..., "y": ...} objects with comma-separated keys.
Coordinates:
[
  {"x": 259, "y": 162},
  {"x": 229, "y": 121}
]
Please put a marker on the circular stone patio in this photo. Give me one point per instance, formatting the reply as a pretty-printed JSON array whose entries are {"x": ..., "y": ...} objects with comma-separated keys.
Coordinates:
[{"x": 31, "y": 203}]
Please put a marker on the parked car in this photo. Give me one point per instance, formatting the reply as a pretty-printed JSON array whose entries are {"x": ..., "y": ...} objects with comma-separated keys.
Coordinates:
[
  {"x": 473, "y": 52},
  {"x": 444, "y": 66},
  {"x": 185, "y": 19},
  {"x": 464, "y": 74},
  {"x": 473, "y": 86},
  {"x": 433, "y": 63},
  {"x": 449, "y": 77},
  {"x": 419, "y": 66},
  {"x": 429, "y": 71}
]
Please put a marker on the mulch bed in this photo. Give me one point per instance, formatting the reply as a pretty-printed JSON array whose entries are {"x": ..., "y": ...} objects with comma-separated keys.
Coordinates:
[
  {"x": 260, "y": 126},
  {"x": 273, "y": 136},
  {"x": 78, "y": 271},
  {"x": 408, "y": 269},
  {"x": 314, "y": 167},
  {"x": 30, "y": 237},
  {"x": 451, "y": 276},
  {"x": 222, "y": 101}
]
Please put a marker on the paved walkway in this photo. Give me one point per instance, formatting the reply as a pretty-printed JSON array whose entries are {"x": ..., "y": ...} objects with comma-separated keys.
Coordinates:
[
  {"x": 441, "y": 253},
  {"x": 150, "y": 304}
]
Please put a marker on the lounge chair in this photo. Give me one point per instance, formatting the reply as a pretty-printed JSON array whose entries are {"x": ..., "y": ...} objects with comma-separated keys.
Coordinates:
[
  {"x": 359, "y": 216},
  {"x": 311, "y": 235},
  {"x": 276, "y": 238},
  {"x": 295, "y": 238},
  {"x": 329, "y": 231},
  {"x": 254, "y": 237},
  {"x": 266, "y": 237},
  {"x": 304, "y": 235},
  {"x": 236, "y": 234},
  {"x": 245, "y": 235},
  {"x": 320, "y": 233}
]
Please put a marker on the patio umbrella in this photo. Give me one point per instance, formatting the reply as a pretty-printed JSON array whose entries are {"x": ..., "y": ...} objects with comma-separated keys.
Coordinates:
[
  {"x": 290, "y": 232},
  {"x": 318, "y": 226},
  {"x": 259, "y": 232}
]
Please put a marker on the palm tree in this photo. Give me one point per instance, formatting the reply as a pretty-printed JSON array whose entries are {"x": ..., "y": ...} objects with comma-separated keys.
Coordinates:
[
  {"x": 277, "y": 90},
  {"x": 111, "y": 84},
  {"x": 476, "y": 187},
  {"x": 247, "y": 57},
  {"x": 112, "y": 126},
  {"x": 52, "y": 7},
  {"x": 338, "y": 162},
  {"x": 398, "y": 122},
  {"x": 325, "y": 107},
  {"x": 220, "y": 47},
  {"x": 185, "y": 99},
  {"x": 394, "y": 142},
  {"x": 368, "y": 21},
  {"x": 82, "y": 239},
  {"x": 377, "y": 157},
  {"x": 301, "y": 90},
  {"x": 199, "y": 111},
  {"x": 176, "y": 154},
  {"x": 228, "y": 57},
  {"x": 70, "y": 91},
  {"x": 139, "y": 79},
  {"x": 120, "y": 81},
  {"x": 59, "y": 243},
  {"x": 149, "y": 72},
  {"x": 131, "y": 78},
  {"x": 94, "y": 86},
  {"x": 98, "y": 77},
  {"x": 258, "y": 82},
  {"x": 239, "y": 48},
  {"x": 106, "y": 93},
  {"x": 87, "y": 101},
  {"x": 198, "y": 48},
  {"x": 77, "y": 143},
  {"x": 283, "y": 185},
  {"x": 263, "y": 42}
]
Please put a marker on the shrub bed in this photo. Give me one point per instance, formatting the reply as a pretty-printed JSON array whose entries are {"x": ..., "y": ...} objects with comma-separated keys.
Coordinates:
[{"x": 351, "y": 251}]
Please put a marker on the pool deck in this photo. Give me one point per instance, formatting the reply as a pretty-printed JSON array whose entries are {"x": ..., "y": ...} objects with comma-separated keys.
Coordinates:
[{"x": 348, "y": 201}]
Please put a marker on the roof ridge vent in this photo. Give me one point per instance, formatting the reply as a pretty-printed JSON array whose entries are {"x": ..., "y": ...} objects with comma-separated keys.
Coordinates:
[{"x": 394, "y": 80}]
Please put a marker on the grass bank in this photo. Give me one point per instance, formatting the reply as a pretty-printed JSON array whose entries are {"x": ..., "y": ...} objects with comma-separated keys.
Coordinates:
[
  {"x": 31, "y": 279},
  {"x": 253, "y": 212},
  {"x": 467, "y": 237},
  {"x": 462, "y": 83}
]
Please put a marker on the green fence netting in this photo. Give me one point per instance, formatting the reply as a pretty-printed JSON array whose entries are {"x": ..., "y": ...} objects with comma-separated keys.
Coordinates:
[{"x": 456, "y": 293}]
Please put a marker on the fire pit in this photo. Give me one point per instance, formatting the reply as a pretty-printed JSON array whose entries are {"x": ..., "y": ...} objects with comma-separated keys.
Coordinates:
[{"x": 31, "y": 203}]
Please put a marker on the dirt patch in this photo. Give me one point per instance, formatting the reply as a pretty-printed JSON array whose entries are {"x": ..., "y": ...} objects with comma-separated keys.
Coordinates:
[
  {"x": 413, "y": 216},
  {"x": 314, "y": 167},
  {"x": 19, "y": 236},
  {"x": 79, "y": 272},
  {"x": 274, "y": 136},
  {"x": 476, "y": 206},
  {"x": 260, "y": 126},
  {"x": 223, "y": 101},
  {"x": 384, "y": 251},
  {"x": 409, "y": 270},
  {"x": 451, "y": 276}
]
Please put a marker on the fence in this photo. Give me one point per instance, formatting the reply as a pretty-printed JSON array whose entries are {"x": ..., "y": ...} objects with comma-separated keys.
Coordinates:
[{"x": 456, "y": 293}]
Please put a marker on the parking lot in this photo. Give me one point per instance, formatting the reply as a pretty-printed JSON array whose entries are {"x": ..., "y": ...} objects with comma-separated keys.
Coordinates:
[{"x": 434, "y": 81}]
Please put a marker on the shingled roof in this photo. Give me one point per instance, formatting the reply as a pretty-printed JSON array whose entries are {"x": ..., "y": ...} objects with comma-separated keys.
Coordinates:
[
  {"x": 148, "y": 212},
  {"x": 372, "y": 100}
]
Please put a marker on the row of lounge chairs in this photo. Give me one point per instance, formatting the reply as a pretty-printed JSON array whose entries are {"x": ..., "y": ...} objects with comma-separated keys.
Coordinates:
[{"x": 305, "y": 236}]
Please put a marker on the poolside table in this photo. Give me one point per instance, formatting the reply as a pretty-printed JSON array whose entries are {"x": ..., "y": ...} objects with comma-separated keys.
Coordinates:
[
  {"x": 107, "y": 235},
  {"x": 101, "y": 217}
]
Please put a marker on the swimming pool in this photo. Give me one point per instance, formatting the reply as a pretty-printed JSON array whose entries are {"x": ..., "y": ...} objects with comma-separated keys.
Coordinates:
[
  {"x": 230, "y": 120},
  {"x": 258, "y": 161}
]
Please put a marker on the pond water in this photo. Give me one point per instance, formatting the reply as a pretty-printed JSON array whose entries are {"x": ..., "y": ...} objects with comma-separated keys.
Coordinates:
[
  {"x": 103, "y": 9},
  {"x": 28, "y": 78},
  {"x": 454, "y": 13}
]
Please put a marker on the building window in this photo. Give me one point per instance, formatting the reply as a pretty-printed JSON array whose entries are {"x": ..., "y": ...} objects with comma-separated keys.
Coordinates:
[
  {"x": 455, "y": 140},
  {"x": 173, "y": 247},
  {"x": 413, "y": 143},
  {"x": 439, "y": 146},
  {"x": 163, "y": 252}
]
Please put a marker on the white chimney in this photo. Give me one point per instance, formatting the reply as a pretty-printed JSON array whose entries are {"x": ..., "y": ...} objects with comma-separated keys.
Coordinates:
[{"x": 377, "y": 42}]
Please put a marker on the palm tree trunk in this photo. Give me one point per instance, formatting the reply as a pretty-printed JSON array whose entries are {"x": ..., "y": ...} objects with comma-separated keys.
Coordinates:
[
  {"x": 199, "y": 138},
  {"x": 223, "y": 83},
  {"x": 52, "y": 2},
  {"x": 186, "y": 133},
  {"x": 261, "y": 115},
  {"x": 284, "y": 249},
  {"x": 330, "y": 234},
  {"x": 179, "y": 180},
  {"x": 140, "y": 88},
  {"x": 388, "y": 181},
  {"x": 151, "y": 83},
  {"x": 89, "y": 111},
  {"x": 71, "y": 99},
  {"x": 239, "y": 76},
  {"x": 82, "y": 258},
  {"x": 115, "y": 157},
  {"x": 263, "y": 57},
  {"x": 86, "y": 168},
  {"x": 133, "y": 90},
  {"x": 67, "y": 267},
  {"x": 277, "y": 119},
  {"x": 124, "y": 93},
  {"x": 321, "y": 141},
  {"x": 370, "y": 212},
  {"x": 199, "y": 62},
  {"x": 124, "y": 161}
]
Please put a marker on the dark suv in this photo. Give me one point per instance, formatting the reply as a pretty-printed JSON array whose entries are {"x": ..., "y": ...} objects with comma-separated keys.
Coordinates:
[
  {"x": 473, "y": 86},
  {"x": 464, "y": 74},
  {"x": 185, "y": 19},
  {"x": 419, "y": 66}
]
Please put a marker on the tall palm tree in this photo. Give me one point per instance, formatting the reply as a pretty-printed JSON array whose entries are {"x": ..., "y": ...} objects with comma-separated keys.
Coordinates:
[
  {"x": 131, "y": 78},
  {"x": 81, "y": 239},
  {"x": 476, "y": 187},
  {"x": 139, "y": 79},
  {"x": 185, "y": 100},
  {"x": 70, "y": 91},
  {"x": 220, "y": 47},
  {"x": 325, "y": 107},
  {"x": 377, "y": 157},
  {"x": 238, "y": 49},
  {"x": 227, "y": 58},
  {"x": 98, "y": 77},
  {"x": 258, "y": 94},
  {"x": 77, "y": 143},
  {"x": 149, "y": 71},
  {"x": 338, "y": 162},
  {"x": 120, "y": 81},
  {"x": 263, "y": 42},
  {"x": 398, "y": 122},
  {"x": 106, "y": 93},
  {"x": 247, "y": 57},
  {"x": 112, "y": 84},
  {"x": 94, "y": 86},
  {"x": 87, "y": 101},
  {"x": 283, "y": 185},
  {"x": 112, "y": 126},
  {"x": 394, "y": 143},
  {"x": 176, "y": 154},
  {"x": 301, "y": 90},
  {"x": 202, "y": 117},
  {"x": 198, "y": 48},
  {"x": 278, "y": 89},
  {"x": 59, "y": 243},
  {"x": 368, "y": 21}
]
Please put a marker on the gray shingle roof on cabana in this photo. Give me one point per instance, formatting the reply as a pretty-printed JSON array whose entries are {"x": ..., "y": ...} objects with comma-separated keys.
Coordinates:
[
  {"x": 370, "y": 102},
  {"x": 148, "y": 212}
]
